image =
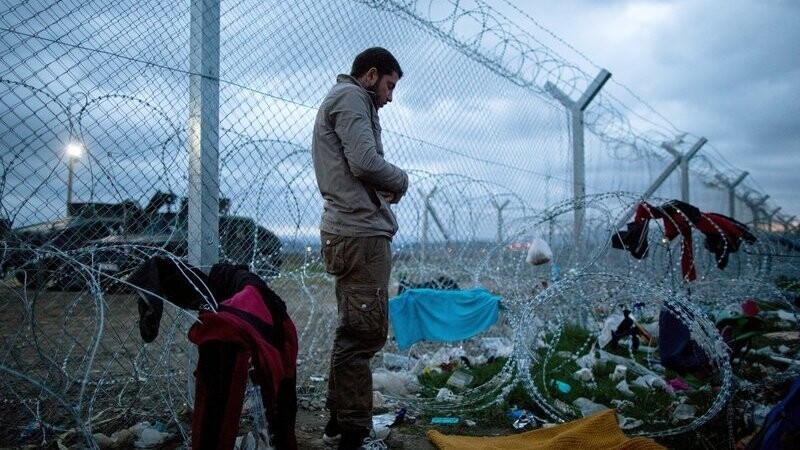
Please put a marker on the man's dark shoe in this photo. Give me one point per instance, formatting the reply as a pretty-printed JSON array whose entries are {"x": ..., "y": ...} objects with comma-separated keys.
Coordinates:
[
  {"x": 332, "y": 432},
  {"x": 371, "y": 439},
  {"x": 353, "y": 439}
]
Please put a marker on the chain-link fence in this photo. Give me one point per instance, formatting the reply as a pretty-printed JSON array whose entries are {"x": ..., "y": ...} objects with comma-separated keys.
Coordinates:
[{"x": 97, "y": 146}]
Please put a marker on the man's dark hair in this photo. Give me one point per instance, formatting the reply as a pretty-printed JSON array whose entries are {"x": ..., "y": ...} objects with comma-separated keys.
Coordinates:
[{"x": 376, "y": 57}]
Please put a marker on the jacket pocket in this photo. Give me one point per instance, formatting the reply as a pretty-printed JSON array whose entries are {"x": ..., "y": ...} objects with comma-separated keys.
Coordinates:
[
  {"x": 333, "y": 248},
  {"x": 365, "y": 309}
]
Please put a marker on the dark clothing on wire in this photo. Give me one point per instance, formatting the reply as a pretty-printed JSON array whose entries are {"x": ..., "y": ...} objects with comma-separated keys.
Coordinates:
[{"x": 243, "y": 324}]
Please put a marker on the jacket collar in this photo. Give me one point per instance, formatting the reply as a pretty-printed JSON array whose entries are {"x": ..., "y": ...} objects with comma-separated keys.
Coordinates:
[{"x": 345, "y": 78}]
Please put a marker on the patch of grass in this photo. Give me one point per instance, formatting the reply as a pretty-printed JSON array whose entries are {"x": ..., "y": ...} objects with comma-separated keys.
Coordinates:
[
  {"x": 494, "y": 416},
  {"x": 435, "y": 380},
  {"x": 493, "y": 419},
  {"x": 485, "y": 372},
  {"x": 651, "y": 405},
  {"x": 572, "y": 337},
  {"x": 654, "y": 407}
]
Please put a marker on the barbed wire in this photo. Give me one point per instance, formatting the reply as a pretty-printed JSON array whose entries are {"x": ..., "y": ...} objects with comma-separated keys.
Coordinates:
[{"x": 482, "y": 191}]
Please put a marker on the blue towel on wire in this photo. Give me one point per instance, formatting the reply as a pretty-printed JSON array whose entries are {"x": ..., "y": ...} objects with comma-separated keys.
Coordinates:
[{"x": 441, "y": 315}]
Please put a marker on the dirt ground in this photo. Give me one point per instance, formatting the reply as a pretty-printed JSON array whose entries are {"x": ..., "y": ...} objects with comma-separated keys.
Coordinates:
[
  {"x": 65, "y": 322},
  {"x": 310, "y": 425},
  {"x": 50, "y": 317}
]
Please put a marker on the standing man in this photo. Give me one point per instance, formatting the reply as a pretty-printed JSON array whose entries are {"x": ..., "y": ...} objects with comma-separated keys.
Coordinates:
[{"x": 357, "y": 226}]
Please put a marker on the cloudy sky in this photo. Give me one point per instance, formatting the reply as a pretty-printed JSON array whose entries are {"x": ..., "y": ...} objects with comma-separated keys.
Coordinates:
[{"x": 726, "y": 70}]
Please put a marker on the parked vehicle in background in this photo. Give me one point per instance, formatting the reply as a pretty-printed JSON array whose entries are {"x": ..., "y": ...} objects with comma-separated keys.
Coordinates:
[
  {"x": 37, "y": 251},
  {"x": 242, "y": 241},
  {"x": 109, "y": 240},
  {"x": 6, "y": 245}
]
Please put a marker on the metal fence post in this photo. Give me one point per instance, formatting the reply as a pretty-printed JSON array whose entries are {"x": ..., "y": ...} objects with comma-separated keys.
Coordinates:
[
  {"x": 786, "y": 222},
  {"x": 203, "y": 220},
  {"x": 683, "y": 160},
  {"x": 500, "y": 209},
  {"x": 755, "y": 206},
  {"x": 771, "y": 216},
  {"x": 576, "y": 110},
  {"x": 732, "y": 193}
]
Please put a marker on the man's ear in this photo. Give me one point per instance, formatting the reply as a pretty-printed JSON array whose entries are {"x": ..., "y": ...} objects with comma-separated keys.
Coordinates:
[{"x": 372, "y": 75}]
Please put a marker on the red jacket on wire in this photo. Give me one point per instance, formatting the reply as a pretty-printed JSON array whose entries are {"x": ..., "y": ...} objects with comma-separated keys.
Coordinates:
[{"x": 723, "y": 234}]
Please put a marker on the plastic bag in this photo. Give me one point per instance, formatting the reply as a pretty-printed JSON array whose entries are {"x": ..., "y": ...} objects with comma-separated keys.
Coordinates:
[{"x": 539, "y": 253}]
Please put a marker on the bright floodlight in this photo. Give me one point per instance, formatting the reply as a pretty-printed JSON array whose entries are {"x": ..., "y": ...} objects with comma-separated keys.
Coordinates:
[{"x": 74, "y": 150}]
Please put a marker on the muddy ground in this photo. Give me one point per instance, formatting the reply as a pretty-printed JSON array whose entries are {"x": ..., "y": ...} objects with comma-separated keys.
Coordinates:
[{"x": 310, "y": 425}]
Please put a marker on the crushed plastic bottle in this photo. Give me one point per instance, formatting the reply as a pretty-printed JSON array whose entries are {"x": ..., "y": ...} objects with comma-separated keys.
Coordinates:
[
  {"x": 459, "y": 379},
  {"x": 446, "y": 395}
]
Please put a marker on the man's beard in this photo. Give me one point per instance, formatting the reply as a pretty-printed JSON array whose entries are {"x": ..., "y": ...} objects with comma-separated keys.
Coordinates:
[{"x": 373, "y": 89}]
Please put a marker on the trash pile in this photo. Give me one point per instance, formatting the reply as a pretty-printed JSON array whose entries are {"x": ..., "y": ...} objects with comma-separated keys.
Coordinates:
[{"x": 664, "y": 365}]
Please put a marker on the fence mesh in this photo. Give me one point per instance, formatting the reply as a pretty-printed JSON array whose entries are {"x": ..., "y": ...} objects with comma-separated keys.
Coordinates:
[{"x": 95, "y": 144}]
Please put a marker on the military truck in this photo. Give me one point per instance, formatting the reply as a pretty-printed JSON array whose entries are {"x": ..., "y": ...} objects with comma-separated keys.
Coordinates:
[{"x": 104, "y": 242}]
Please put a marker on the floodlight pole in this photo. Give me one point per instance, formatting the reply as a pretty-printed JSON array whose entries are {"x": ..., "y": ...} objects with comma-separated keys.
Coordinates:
[
  {"x": 70, "y": 176},
  {"x": 203, "y": 219},
  {"x": 73, "y": 151},
  {"x": 576, "y": 110}
]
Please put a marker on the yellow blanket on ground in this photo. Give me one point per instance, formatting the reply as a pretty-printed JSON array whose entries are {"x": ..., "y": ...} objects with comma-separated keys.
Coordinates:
[{"x": 599, "y": 431}]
